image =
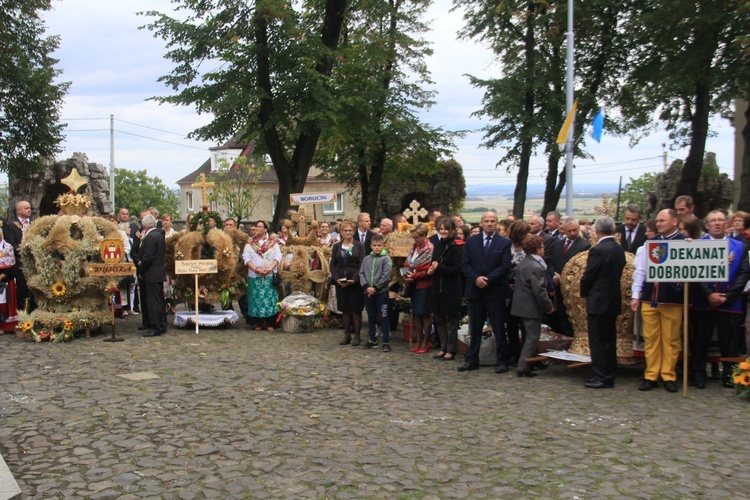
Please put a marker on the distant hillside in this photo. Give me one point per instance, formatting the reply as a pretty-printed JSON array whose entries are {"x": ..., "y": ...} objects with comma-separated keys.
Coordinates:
[{"x": 537, "y": 190}]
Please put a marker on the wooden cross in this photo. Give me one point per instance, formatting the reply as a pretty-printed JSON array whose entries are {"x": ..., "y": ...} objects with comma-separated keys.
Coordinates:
[
  {"x": 204, "y": 187},
  {"x": 415, "y": 212},
  {"x": 300, "y": 217}
]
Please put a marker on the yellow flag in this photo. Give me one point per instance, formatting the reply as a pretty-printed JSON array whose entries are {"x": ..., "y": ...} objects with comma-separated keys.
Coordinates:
[{"x": 562, "y": 137}]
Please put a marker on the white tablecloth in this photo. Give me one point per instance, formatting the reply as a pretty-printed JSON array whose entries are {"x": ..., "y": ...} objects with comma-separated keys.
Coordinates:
[{"x": 183, "y": 318}]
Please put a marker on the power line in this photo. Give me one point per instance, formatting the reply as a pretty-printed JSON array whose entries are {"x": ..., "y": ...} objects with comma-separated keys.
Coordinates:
[
  {"x": 159, "y": 140},
  {"x": 81, "y": 119},
  {"x": 151, "y": 128},
  {"x": 87, "y": 130}
]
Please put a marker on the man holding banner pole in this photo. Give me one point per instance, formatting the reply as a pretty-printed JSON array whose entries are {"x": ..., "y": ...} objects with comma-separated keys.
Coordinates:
[
  {"x": 661, "y": 310},
  {"x": 718, "y": 305}
]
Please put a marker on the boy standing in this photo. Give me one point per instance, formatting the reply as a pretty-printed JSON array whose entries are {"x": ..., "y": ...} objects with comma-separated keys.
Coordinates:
[{"x": 374, "y": 276}]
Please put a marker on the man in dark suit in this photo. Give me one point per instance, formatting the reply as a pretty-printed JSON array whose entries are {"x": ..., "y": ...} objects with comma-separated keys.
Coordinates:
[
  {"x": 632, "y": 232},
  {"x": 13, "y": 231},
  {"x": 485, "y": 263},
  {"x": 552, "y": 224},
  {"x": 562, "y": 251},
  {"x": 152, "y": 275},
  {"x": 600, "y": 286},
  {"x": 364, "y": 235}
]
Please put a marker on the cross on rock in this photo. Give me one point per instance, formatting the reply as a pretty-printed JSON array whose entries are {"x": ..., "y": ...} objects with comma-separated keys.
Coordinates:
[
  {"x": 204, "y": 185},
  {"x": 300, "y": 217},
  {"x": 415, "y": 212}
]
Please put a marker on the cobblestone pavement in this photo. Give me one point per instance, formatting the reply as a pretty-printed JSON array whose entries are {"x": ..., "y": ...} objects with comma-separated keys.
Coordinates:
[{"x": 241, "y": 414}]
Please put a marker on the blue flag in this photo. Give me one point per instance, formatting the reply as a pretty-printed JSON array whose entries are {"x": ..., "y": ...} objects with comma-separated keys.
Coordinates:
[{"x": 598, "y": 124}]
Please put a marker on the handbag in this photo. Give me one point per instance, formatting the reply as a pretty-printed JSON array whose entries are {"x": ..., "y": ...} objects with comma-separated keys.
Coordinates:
[
  {"x": 276, "y": 279},
  {"x": 408, "y": 290}
]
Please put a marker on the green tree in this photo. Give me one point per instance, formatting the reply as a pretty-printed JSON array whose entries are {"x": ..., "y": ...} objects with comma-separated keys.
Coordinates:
[
  {"x": 30, "y": 100},
  {"x": 527, "y": 104},
  {"x": 381, "y": 89},
  {"x": 691, "y": 65},
  {"x": 136, "y": 191},
  {"x": 637, "y": 190},
  {"x": 271, "y": 68},
  {"x": 236, "y": 185},
  {"x": 4, "y": 198}
]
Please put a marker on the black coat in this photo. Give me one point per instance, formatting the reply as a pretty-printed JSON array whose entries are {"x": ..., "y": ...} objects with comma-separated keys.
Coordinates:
[
  {"x": 560, "y": 258},
  {"x": 151, "y": 264},
  {"x": 600, "y": 283},
  {"x": 448, "y": 282},
  {"x": 349, "y": 268},
  {"x": 639, "y": 238}
]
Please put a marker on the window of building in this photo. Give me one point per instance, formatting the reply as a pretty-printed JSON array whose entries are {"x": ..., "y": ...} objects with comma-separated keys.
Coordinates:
[
  {"x": 335, "y": 208},
  {"x": 189, "y": 200}
]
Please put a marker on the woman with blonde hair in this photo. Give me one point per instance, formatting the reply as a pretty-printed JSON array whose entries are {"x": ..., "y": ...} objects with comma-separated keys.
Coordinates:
[{"x": 346, "y": 258}]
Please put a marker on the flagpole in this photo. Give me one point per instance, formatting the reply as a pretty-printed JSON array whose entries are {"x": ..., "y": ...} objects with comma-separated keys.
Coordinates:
[{"x": 569, "y": 144}]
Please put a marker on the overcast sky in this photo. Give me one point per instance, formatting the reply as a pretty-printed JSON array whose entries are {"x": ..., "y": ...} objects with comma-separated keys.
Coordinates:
[{"x": 113, "y": 67}]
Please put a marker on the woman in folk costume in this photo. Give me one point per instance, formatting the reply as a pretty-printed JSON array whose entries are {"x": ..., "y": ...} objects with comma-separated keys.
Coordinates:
[
  {"x": 262, "y": 256},
  {"x": 8, "y": 312}
]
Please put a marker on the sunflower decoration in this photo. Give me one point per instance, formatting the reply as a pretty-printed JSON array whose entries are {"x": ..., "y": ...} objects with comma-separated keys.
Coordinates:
[
  {"x": 26, "y": 326},
  {"x": 58, "y": 289},
  {"x": 741, "y": 379},
  {"x": 67, "y": 325}
]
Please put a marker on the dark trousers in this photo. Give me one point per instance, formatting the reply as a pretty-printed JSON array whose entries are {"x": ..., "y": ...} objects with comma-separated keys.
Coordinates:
[
  {"x": 447, "y": 329},
  {"x": 152, "y": 307},
  {"x": 727, "y": 324},
  {"x": 512, "y": 327},
  {"x": 377, "y": 314},
  {"x": 494, "y": 310},
  {"x": 603, "y": 345},
  {"x": 563, "y": 323}
]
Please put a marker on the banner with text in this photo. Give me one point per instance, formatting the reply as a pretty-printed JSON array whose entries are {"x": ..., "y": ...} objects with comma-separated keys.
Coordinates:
[
  {"x": 311, "y": 198},
  {"x": 692, "y": 261}
]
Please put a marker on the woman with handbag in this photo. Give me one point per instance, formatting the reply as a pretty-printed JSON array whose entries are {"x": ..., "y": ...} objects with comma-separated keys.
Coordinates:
[
  {"x": 8, "y": 311},
  {"x": 262, "y": 256},
  {"x": 346, "y": 258},
  {"x": 417, "y": 263}
]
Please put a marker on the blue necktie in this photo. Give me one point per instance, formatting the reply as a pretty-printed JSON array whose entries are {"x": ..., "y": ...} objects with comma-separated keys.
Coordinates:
[{"x": 487, "y": 242}]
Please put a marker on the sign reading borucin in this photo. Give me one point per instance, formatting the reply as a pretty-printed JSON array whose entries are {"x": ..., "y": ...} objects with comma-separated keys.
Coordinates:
[{"x": 682, "y": 260}]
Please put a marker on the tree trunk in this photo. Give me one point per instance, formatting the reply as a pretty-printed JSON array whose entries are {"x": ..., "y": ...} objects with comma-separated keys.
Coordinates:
[
  {"x": 554, "y": 183},
  {"x": 744, "y": 201},
  {"x": 292, "y": 175},
  {"x": 691, "y": 171},
  {"x": 527, "y": 139}
]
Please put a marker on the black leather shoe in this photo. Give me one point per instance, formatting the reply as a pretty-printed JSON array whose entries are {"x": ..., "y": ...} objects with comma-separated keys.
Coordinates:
[
  {"x": 345, "y": 342},
  {"x": 151, "y": 334},
  {"x": 143, "y": 328},
  {"x": 501, "y": 369},
  {"x": 468, "y": 367},
  {"x": 526, "y": 374},
  {"x": 670, "y": 386},
  {"x": 699, "y": 383},
  {"x": 599, "y": 384},
  {"x": 647, "y": 385}
]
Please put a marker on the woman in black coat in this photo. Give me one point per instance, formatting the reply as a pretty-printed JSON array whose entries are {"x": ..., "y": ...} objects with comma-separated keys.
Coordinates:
[
  {"x": 447, "y": 288},
  {"x": 346, "y": 258}
]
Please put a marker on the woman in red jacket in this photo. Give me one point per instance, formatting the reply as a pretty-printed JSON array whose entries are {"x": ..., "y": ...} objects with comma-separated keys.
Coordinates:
[{"x": 417, "y": 264}]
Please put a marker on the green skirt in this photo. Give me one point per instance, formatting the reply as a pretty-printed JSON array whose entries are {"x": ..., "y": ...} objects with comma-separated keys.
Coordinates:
[{"x": 262, "y": 297}]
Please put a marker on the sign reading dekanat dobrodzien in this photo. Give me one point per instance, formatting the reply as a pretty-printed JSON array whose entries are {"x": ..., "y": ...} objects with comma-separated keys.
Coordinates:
[{"x": 691, "y": 261}]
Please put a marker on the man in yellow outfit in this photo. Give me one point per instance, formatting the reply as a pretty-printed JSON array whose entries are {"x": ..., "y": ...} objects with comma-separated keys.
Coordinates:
[{"x": 661, "y": 310}]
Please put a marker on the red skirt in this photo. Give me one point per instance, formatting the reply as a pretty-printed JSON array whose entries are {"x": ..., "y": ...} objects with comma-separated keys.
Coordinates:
[{"x": 8, "y": 307}]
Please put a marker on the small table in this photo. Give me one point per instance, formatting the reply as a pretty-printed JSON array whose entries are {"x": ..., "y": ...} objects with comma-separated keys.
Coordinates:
[{"x": 219, "y": 318}]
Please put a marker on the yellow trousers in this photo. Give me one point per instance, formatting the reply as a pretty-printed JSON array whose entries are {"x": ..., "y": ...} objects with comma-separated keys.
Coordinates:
[{"x": 662, "y": 339}]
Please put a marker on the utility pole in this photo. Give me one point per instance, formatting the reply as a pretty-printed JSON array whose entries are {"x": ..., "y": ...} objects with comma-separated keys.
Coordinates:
[
  {"x": 112, "y": 162},
  {"x": 570, "y": 143}
]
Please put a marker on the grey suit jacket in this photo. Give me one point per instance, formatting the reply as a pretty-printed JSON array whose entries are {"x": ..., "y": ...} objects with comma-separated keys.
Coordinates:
[{"x": 530, "y": 299}]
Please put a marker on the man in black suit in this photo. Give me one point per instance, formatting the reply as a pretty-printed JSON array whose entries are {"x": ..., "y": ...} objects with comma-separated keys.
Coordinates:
[
  {"x": 562, "y": 251},
  {"x": 485, "y": 262},
  {"x": 552, "y": 224},
  {"x": 364, "y": 235},
  {"x": 632, "y": 232},
  {"x": 151, "y": 275},
  {"x": 600, "y": 286},
  {"x": 13, "y": 231}
]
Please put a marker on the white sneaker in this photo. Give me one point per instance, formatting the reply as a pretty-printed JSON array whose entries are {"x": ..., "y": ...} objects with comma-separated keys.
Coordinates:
[
  {"x": 133, "y": 312},
  {"x": 124, "y": 313}
]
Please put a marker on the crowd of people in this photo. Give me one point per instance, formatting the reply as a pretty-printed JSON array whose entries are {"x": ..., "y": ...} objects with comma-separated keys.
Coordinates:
[{"x": 505, "y": 274}]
